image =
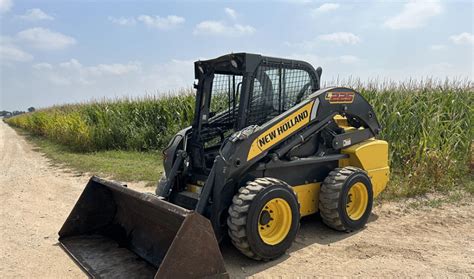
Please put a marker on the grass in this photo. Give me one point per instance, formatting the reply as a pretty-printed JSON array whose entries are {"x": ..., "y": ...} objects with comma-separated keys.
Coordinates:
[
  {"x": 119, "y": 165},
  {"x": 429, "y": 125}
]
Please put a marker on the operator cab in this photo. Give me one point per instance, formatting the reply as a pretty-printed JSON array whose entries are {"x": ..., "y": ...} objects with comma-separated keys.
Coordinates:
[{"x": 238, "y": 90}]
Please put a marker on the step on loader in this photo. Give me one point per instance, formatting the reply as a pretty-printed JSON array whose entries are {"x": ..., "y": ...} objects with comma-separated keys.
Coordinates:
[{"x": 267, "y": 146}]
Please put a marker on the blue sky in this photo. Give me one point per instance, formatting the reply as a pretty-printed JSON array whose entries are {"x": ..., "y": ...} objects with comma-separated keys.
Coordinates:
[{"x": 55, "y": 52}]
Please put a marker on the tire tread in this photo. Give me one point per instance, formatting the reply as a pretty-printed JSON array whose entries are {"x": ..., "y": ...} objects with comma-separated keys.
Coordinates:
[
  {"x": 330, "y": 194},
  {"x": 238, "y": 212}
]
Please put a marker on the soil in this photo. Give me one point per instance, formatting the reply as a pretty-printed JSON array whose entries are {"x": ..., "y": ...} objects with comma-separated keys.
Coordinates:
[{"x": 37, "y": 196}]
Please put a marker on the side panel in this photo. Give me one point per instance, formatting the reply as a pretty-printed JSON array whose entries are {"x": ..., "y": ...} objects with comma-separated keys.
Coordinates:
[
  {"x": 371, "y": 156},
  {"x": 308, "y": 198}
]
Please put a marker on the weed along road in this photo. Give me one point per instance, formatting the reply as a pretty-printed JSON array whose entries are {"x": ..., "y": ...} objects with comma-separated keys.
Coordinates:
[{"x": 36, "y": 197}]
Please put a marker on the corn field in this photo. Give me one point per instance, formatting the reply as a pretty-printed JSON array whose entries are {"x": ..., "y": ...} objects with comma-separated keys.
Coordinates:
[
  {"x": 427, "y": 123},
  {"x": 429, "y": 126},
  {"x": 140, "y": 124}
]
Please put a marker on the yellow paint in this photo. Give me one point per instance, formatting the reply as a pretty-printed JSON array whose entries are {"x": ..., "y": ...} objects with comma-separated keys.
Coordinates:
[
  {"x": 371, "y": 156},
  {"x": 308, "y": 198},
  {"x": 200, "y": 183},
  {"x": 357, "y": 200},
  {"x": 341, "y": 121},
  {"x": 281, "y": 130},
  {"x": 193, "y": 188},
  {"x": 379, "y": 178},
  {"x": 275, "y": 225}
]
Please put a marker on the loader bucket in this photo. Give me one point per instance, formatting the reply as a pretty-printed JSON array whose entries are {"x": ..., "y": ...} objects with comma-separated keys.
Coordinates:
[{"x": 115, "y": 232}]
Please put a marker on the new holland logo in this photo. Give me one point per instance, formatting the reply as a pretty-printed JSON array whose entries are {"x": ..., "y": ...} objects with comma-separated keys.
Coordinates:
[
  {"x": 280, "y": 130},
  {"x": 340, "y": 97}
]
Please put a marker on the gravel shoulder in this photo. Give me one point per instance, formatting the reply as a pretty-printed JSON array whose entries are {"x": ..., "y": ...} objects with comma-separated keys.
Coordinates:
[{"x": 36, "y": 198}]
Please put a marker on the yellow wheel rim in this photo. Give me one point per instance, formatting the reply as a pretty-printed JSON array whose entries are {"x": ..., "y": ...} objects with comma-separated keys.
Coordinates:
[
  {"x": 274, "y": 221},
  {"x": 357, "y": 199}
]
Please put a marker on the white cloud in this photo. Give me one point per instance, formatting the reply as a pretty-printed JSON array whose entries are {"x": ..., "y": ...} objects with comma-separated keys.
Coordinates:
[
  {"x": 298, "y": 1},
  {"x": 463, "y": 38},
  {"x": 415, "y": 13},
  {"x": 231, "y": 13},
  {"x": 340, "y": 38},
  {"x": 6, "y": 40},
  {"x": 5, "y": 6},
  {"x": 35, "y": 15},
  {"x": 163, "y": 23},
  {"x": 71, "y": 64},
  {"x": 327, "y": 7},
  {"x": 115, "y": 69},
  {"x": 116, "y": 77},
  {"x": 43, "y": 38},
  {"x": 437, "y": 47},
  {"x": 9, "y": 52},
  {"x": 124, "y": 21},
  {"x": 210, "y": 27},
  {"x": 42, "y": 66},
  {"x": 332, "y": 61},
  {"x": 13, "y": 54},
  {"x": 73, "y": 72}
]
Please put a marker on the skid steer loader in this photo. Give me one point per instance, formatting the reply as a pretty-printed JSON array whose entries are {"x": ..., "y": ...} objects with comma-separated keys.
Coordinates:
[{"x": 267, "y": 146}]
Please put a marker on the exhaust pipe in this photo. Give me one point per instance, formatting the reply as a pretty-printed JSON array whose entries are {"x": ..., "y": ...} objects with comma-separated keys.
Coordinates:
[{"x": 115, "y": 232}]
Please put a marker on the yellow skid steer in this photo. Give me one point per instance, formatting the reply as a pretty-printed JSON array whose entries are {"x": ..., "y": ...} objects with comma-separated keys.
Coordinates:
[{"x": 267, "y": 146}]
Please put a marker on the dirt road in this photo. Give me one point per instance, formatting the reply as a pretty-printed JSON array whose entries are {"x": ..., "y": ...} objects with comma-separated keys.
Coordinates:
[{"x": 35, "y": 199}]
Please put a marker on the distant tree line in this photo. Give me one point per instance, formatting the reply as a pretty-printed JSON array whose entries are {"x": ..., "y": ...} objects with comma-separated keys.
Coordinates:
[{"x": 6, "y": 114}]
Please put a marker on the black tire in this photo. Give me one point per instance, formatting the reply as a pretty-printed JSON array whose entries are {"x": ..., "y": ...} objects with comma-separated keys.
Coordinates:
[
  {"x": 245, "y": 217},
  {"x": 334, "y": 198}
]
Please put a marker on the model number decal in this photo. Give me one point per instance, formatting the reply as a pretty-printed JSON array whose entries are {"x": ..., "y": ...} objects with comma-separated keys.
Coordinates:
[
  {"x": 281, "y": 130},
  {"x": 340, "y": 97}
]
